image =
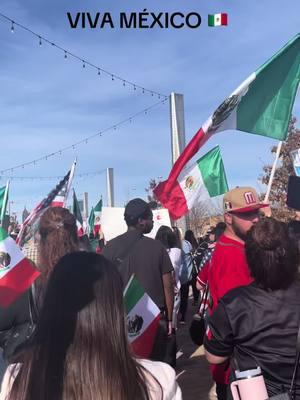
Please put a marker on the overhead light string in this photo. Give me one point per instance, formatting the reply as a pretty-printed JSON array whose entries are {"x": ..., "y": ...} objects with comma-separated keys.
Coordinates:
[
  {"x": 83, "y": 61},
  {"x": 85, "y": 140},
  {"x": 48, "y": 178}
]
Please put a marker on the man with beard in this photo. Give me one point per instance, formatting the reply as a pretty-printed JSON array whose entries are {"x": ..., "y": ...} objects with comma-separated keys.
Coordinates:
[
  {"x": 228, "y": 267},
  {"x": 148, "y": 260}
]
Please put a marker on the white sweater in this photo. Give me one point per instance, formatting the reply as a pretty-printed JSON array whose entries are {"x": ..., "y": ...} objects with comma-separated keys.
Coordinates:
[{"x": 164, "y": 374}]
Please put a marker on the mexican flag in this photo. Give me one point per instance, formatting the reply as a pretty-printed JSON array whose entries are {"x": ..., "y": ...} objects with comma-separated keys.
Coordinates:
[
  {"x": 77, "y": 214},
  {"x": 16, "y": 272},
  {"x": 262, "y": 105},
  {"x": 3, "y": 200},
  {"x": 142, "y": 318},
  {"x": 97, "y": 213},
  {"x": 91, "y": 220},
  {"x": 202, "y": 181},
  {"x": 217, "y": 19}
]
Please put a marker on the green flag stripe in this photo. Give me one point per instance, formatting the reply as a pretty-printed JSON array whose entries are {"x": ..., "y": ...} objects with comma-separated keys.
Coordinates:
[
  {"x": 133, "y": 294},
  {"x": 2, "y": 192},
  {"x": 211, "y": 20},
  {"x": 76, "y": 209},
  {"x": 213, "y": 172},
  {"x": 266, "y": 108},
  {"x": 3, "y": 234},
  {"x": 91, "y": 219},
  {"x": 98, "y": 206}
]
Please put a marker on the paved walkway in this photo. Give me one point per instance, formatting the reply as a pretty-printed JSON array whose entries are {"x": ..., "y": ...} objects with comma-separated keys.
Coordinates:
[{"x": 192, "y": 368}]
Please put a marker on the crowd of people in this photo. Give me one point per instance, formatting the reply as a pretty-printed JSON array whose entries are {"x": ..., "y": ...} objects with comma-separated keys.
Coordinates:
[{"x": 66, "y": 338}]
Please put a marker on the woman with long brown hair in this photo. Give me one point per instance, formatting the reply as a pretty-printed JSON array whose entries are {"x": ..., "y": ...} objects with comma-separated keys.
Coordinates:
[
  {"x": 56, "y": 236},
  {"x": 80, "y": 349}
]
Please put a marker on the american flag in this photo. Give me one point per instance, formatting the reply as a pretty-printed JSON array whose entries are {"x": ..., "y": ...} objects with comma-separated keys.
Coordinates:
[{"x": 57, "y": 197}]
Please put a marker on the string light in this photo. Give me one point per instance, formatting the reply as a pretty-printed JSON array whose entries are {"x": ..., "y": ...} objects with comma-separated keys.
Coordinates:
[
  {"x": 108, "y": 73},
  {"x": 85, "y": 140},
  {"x": 46, "y": 178}
]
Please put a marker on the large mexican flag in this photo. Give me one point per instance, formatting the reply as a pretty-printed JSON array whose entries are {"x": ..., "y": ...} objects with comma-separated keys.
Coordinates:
[
  {"x": 142, "y": 318},
  {"x": 262, "y": 105}
]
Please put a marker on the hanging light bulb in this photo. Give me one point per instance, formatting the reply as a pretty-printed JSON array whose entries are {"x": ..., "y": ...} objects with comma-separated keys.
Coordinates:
[
  {"x": 98, "y": 71},
  {"x": 66, "y": 54},
  {"x": 12, "y": 29},
  {"x": 40, "y": 41},
  {"x": 112, "y": 78},
  {"x": 123, "y": 83},
  {"x": 83, "y": 64}
]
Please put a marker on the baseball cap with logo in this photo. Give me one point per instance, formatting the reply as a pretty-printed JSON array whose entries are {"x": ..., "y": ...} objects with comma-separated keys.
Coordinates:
[{"x": 241, "y": 200}]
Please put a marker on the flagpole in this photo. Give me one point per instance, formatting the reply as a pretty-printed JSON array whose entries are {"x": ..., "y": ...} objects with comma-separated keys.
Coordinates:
[
  {"x": 273, "y": 172},
  {"x": 5, "y": 198},
  {"x": 70, "y": 181}
]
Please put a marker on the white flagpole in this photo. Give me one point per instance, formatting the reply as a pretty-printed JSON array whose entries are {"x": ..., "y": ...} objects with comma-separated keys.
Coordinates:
[
  {"x": 70, "y": 181},
  {"x": 273, "y": 172},
  {"x": 5, "y": 199}
]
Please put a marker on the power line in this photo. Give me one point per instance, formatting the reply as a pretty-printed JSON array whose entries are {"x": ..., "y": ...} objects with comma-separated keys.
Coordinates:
[{"x": 67, "y": 53}]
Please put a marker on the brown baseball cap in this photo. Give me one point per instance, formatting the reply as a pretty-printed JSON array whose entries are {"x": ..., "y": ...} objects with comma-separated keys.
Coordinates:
[{"x": 242, "y": 199}]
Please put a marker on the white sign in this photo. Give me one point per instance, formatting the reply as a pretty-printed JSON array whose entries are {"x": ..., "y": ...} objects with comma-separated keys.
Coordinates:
[{"x": 113, "y": 224}]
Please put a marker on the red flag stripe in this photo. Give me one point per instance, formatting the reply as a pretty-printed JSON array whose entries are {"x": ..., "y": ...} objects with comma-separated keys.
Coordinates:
[
  {"x": 143, "y": 345},
  {"x": 17, "y": 281},
  {"x": 172, "y": 198},
  {"x": 198, "y": 140}
]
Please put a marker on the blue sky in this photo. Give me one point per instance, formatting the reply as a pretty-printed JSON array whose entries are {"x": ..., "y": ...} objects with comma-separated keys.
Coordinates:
[{"x": 49, "y": 102}]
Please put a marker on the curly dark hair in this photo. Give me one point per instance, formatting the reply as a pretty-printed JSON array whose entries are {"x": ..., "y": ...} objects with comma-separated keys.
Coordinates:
[{"x": 273, "y": 256}]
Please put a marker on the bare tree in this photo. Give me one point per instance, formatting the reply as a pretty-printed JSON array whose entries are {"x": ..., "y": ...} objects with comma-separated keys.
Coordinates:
[{"x": 285, "y": 168}]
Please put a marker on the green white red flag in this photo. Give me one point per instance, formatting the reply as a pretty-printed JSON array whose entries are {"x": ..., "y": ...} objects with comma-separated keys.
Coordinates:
[
  {"x": 77, "y": 214},
  {"x": 3, "y": 201},
  {"x": 261, "y": 105},
  {"x": 218, "y": 19},
  {"x": 142, "y": 317},
  {"x": 202, "y": 181},
  {"x": 96, "y": 218},
  {"x": 16, "y": 272}
]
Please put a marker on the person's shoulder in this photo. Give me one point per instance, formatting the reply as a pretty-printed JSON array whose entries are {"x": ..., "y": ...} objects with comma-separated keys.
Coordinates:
[
  {"x": 241, "y": 294},
  {"x": 152, "y": 243},
  {"x": 117, "y": 238},
  {"x": 175, "y": 251},
  {"x": 226, "y": 247},
  {"x": 166, "y": 376},
  {"x": 186, "y": 246}
]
